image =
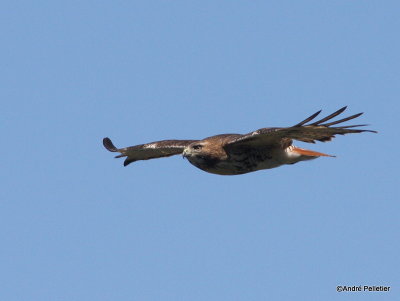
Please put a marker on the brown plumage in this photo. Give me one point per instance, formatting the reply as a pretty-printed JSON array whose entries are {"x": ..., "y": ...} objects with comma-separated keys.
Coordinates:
[{"x": 232, "y": 154}]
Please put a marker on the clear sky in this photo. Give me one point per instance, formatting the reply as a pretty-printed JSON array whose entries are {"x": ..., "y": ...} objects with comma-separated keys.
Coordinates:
[{"x": 76, "y": 225}]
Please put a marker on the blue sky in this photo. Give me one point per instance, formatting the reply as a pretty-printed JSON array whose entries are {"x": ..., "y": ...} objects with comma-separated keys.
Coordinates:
[{"x": 76, "y": 225}]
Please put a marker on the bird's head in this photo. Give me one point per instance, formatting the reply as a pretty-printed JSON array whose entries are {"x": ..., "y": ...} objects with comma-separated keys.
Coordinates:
[
  {"x": 195, "y": 149},
  {"x": 208, "y": 149}
]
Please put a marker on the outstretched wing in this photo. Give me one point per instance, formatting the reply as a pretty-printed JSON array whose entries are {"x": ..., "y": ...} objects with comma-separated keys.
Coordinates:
[
  {"x": 158, "y": 149},
  {"x": 303, "y": 131}
]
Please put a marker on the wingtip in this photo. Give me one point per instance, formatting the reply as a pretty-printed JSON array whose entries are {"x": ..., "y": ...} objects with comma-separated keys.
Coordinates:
[
  {"x": 128, "y": 161},
  {"x": 308, "y": 119},
  {"x": 341, "y": 110},
  {"x": 109, "y": 145}
]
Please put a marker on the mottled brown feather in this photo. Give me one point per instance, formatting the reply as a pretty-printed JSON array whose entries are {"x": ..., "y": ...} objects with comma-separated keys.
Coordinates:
[
  {"x": 301, "y": 131},
  {"x": 157, "y": 149}
]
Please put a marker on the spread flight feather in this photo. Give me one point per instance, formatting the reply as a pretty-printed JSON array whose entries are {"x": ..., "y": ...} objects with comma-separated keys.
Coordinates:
[{"x": 231, "y": 154}]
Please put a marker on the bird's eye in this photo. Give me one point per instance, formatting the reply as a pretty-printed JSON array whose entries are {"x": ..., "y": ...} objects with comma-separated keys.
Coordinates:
[{"x": 197, "y": 146}]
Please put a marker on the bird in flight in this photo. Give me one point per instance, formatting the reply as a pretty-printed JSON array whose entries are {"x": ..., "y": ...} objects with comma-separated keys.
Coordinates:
[{"x": 235, "y": 154}]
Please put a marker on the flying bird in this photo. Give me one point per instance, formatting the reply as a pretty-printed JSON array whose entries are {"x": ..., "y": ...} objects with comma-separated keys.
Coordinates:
[{"x": 235, "y": 154}]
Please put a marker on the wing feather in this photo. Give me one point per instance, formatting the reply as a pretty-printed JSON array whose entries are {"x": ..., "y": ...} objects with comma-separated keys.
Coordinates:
[
  {"x": 342, "y": 120},
  {"x": 308, "y": 119},
  {"x": 329, "y": 116},
  {"x": 158, "y": 149},
  {"x": 310, "y": 133}
]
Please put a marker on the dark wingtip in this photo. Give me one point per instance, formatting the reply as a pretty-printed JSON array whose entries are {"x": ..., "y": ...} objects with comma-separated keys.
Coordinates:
[
  {"x": 109, "y": 145},
  {"x": 308, "y": 119},
  {"x": 329, "y": 116},
  {"x": 128, "y": 161}
]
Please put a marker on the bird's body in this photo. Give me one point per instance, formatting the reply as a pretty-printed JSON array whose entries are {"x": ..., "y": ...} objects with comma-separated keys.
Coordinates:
[
  {"x": 243, "y": 160},
  {"x": 235, "y": 161},
  {"x": 234, "y": 154}
]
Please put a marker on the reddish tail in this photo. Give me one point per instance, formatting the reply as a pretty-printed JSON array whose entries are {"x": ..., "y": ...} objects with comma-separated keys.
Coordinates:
[{"x": 310, "y": 153}]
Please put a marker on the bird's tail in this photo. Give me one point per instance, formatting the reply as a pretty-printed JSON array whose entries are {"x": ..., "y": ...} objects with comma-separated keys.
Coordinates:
[{"x": 308, "y": 153}]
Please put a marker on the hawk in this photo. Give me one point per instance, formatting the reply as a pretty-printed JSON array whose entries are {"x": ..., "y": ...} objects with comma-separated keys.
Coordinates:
[{"x": 235, "y": 154}]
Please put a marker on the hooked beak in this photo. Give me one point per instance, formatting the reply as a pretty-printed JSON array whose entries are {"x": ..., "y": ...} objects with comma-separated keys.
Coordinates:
[{"x": 185, "y": 154}]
